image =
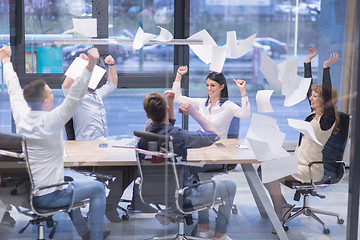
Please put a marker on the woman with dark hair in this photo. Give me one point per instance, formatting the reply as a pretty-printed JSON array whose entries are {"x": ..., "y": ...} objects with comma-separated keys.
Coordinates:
[
  {"x": 324, "y": 119},
  {"x": 217, "y": 108}
]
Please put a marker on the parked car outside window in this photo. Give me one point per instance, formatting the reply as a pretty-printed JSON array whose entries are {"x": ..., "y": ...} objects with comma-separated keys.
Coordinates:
[{"x": 277, "y": 48}]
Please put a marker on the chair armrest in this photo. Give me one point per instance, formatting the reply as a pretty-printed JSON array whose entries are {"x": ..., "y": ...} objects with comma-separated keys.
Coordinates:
[{"x": 180, "y": 192}]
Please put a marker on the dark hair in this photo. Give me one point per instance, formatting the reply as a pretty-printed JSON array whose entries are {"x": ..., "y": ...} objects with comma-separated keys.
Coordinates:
[
  {"x": 34, "y": 93},
  {"x": 220, "y": 79},
  {"x": 155, "y": 106}
]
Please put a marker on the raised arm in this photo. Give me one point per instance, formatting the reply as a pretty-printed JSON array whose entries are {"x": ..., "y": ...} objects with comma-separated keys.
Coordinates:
[
  {"x": 328, "y": 118},
  {"x": 113, "y": 77},
  {"x": 169, "y": 96},
  {"x": 187, "y": 109},
  {"x": 17, "y": 101},
  {"x": 307, "y": 68}
]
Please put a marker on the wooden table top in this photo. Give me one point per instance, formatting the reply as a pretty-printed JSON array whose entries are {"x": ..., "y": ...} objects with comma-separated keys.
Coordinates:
[{"x": 88, "y": 153}]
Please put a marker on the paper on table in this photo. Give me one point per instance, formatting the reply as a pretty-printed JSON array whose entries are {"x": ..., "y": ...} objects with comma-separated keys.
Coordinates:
[
  {"x": 124, "y": 142},
  {"x": 218, "y": 59},
  {"x": 238, "y": 50},
  {"x": 164, "y": 35},
  {"x": 263, "y": 100},
  {"x": 304, "y": 127},
  {"x": 204, "y": 52},
  {"x": 141, "y": 38},
  {"x": 78, "y": 66},
  {"x": 86, "y": 27},
  {"x": 298, "y": 94},
  {"x": 269, "y": 69},
  {"x": 278, "y": 168}
]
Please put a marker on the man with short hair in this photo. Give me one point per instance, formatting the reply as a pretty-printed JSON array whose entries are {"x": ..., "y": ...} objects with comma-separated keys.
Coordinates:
[
  {"x": 35, "y": 118},
  {"x": 161, "y": 111}
]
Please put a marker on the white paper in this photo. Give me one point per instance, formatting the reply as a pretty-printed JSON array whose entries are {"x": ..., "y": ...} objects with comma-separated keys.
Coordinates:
[
  {"x": 124, "y": 142},
  {"x": 204, "y": 51},
  {"x": 78, "y": 66},
  {"x": 141, "y": 38},
  {"x": 304, "y": 127},
  {"x": 164, "y": 35},
  {"x": 298, "y": 94},
  {"x": 269, "y": 69},
  {"x": 278, "y": 168},
  {"x": 263, "y": 129},
  {"x": 261, "y": 149},
  {"x": 218, "y": 59},
  {"x": 263, "y": 100},
  {"x": 86, "y": 27},
  {"x": 288, "y": 75},
  {"x": 238, "y": 50}
]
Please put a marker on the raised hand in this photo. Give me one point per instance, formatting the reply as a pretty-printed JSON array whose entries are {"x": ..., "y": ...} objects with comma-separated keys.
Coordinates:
[
  {"x": 93, "y": 55},
  {"x": 5, "y": 54},
  {"x": 182, "y": 70},
  {"x": 312, "y": 53},
  {"x": 334, "y": 57},
  {"x": 241, "y": 85},
  {"x": 109, "y": 60},
  {"x": 169, "y": 96},
  {"x": 186, "y": 109}
]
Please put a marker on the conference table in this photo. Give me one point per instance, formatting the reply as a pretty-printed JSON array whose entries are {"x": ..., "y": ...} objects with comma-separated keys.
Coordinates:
[{"x": 224, "y": 151}]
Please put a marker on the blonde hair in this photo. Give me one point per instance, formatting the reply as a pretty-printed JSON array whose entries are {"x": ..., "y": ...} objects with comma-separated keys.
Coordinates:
[{"x": 334, "y": 99}]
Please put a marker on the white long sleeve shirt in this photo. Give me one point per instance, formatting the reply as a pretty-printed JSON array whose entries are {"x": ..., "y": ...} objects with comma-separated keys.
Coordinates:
[
  {"x": 43, "y": 129},
  {"x": 220, "y": 115}
]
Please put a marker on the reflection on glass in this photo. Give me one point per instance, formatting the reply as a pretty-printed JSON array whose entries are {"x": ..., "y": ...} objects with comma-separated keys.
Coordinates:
[
  {"x": 46, "y": 21},
  {"x": 124, "y": 19}
]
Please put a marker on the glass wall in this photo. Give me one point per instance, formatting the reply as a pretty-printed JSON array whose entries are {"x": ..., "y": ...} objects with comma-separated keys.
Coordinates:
[{"x": 283, "y": 28}]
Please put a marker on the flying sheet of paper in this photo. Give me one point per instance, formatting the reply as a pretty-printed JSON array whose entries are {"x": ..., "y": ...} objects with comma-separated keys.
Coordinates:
[
  {"x": 264, "y": 128},
  {"x": 204, "y": 51},
  {"x": 78, "y": 66},
  {"x": 278, "y": 168},
  {"x": 298, "y": 94},
  {"x": 86, "y": 27},
  {"x": 141, "y": 38},
  {"x": 304, "y": 127},
  {"x": 164, "y": 35},
  {"x": 218, "y": 59},
  {"x": 287, "y": 71},
  {"x": 263, "y": 100},
  {"x": 238, "y": 50},
  {"x": 269, "y": 69}
]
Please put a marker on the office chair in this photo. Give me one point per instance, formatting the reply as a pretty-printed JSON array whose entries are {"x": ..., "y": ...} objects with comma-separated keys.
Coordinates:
[
  {"x": 159, "y": 183},
  {"x": 13, "y": 151},
  {"x": 334, "y": 169}
]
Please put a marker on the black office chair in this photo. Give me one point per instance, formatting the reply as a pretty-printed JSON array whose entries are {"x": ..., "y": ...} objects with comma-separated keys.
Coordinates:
[
  {"x": 13, "y": 151},
  {"x": 334, "y": 169},
  {"x": 160, "y": 184}
]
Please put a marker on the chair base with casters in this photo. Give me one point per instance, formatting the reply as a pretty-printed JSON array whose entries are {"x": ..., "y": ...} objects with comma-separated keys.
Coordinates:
[{"x": 306, "y": 209}]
